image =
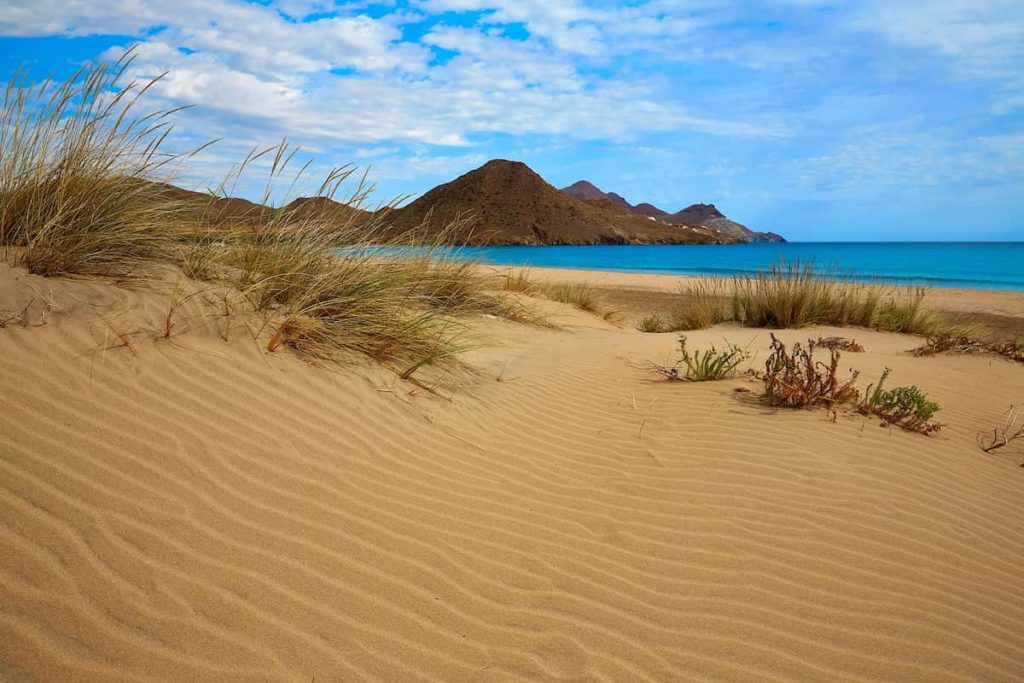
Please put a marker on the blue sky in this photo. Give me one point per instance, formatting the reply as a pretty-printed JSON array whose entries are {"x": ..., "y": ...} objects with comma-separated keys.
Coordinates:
[{"x": 867, "y": 119}]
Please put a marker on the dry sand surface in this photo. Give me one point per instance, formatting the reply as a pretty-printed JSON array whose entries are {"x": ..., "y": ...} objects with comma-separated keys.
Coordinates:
[{"x": 195, "y": 510}]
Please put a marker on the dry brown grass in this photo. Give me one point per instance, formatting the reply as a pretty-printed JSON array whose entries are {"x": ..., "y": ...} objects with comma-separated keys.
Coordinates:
[
  {"x": 796, "y": 294},
  {"x": 82, "y": 192},
  {"x": 519, "y": 281},
  {"x": 75, "y": 161}
]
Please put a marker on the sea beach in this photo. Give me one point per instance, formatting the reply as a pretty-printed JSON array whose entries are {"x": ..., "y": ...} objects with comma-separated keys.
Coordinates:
[
  {"x": 496, "y": 341},
  {"x": 199, "y": 508}
]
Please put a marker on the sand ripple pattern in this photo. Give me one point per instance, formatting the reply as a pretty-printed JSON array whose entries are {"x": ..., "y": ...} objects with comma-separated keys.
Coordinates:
[{"x": 205, "y": 513}]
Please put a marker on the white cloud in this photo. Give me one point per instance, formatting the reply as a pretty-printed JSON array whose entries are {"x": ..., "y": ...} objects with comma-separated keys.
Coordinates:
[{"x": 983, "y": 38}]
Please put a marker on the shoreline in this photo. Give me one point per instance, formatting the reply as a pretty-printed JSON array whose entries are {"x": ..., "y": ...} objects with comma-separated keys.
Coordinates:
[{"x": 933, "y": 265}]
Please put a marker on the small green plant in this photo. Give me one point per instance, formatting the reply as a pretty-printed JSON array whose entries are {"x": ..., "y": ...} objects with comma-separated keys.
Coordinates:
[
  {"x": 906, "y": 407},
  {"x": 651, "y": 323},
  {"x": 704, "y": 366}
]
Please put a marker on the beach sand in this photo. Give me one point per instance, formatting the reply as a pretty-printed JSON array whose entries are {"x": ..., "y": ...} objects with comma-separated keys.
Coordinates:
[{"x": 193, "y": 509}]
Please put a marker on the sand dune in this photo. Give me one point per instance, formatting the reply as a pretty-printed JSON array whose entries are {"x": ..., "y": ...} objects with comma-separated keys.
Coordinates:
[{"x": 194, "y": 509}]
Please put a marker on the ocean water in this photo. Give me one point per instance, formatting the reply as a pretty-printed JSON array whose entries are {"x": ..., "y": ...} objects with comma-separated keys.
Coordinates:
[{"x": 977, "y": 265}]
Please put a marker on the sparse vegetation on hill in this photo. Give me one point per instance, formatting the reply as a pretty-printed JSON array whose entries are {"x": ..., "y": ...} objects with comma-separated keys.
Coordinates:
[{"x": 506, "y": 202}]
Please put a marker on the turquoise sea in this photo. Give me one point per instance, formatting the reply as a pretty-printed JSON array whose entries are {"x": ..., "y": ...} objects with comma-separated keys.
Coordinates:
[{"x": 978, "y": 265}]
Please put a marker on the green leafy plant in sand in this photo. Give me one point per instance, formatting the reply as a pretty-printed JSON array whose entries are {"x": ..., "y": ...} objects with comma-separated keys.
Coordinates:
[
  {"x": 704, "y": 366},
  {"x": 907, "y": 407}
]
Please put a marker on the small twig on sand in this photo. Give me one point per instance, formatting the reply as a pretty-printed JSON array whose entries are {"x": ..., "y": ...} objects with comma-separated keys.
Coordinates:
[{"x": 1009, "y": 431}]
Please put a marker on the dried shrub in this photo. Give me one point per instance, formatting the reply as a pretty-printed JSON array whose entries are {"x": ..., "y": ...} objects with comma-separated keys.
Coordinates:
[
  {"x": 840, "y": 343},
  {"x": 1011, "y": 430},
  {"x": 795, "y": 380},
  {"x": 943, "y": 343}
]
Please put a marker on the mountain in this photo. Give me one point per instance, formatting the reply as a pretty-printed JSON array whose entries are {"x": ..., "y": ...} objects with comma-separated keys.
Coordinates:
[
  {"x": 708, "y": 216},
  {"x": 646, "y": 209},
  {"x": 697, "y": 215},
  {"x": 325, "y": 209},
  {"x": 510, "y": 204},
  {"x": 587, "y": 191}
]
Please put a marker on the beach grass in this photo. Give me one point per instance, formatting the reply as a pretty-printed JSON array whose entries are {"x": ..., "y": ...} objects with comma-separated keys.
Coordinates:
[
  {"x": 84, "y": 192},
  {"x": 581, "y": 295},
  {"x": 77, "y": 161},
  {"x": 797, "y": 294},
  {"x": 652, "y": 323}
]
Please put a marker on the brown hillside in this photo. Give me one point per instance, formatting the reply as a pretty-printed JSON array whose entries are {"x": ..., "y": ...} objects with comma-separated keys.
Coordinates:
[
  {"x": 195, "y": 208},
  {"x": 510, "y": 204},
  {"x": 326, "y": 209},
  {"x": 586, "y": 190},
  {"x": 708, "y": 216},
  {"x": 647, "y": 209}
]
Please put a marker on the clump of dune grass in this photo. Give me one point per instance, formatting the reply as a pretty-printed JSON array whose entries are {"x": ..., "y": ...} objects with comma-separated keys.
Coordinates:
[
  {"x": 701, "y": 304},
  {"x": 797, "y": 294},
  {"x": 652, "y": 323},
  {"x": 581, "y": 295},
  {"x": 329, "y": 286},
  {"x": 709, "y": 365},
  {"x": 84, "y": 190},
  {"x": 76, "y": 161},
  {"x": 519, "y": 281},
  {"x": 906, "y": 314}
]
